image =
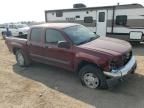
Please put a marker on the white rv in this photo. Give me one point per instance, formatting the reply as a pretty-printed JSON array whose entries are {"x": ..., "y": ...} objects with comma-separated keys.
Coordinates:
[{"x": 119, "y": 21}]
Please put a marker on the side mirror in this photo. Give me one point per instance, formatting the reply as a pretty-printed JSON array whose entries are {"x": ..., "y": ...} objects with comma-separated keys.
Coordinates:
[{"x": 63, "y": 44}]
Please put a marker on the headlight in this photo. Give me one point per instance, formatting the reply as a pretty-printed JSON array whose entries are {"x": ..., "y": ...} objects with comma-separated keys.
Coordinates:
[
  {"x": 113, "y": 65},
  {"x": 126, "y": 57}
]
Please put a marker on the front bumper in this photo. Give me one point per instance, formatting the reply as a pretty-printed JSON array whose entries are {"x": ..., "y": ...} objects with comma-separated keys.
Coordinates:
[{"x": 129, "y": 67}]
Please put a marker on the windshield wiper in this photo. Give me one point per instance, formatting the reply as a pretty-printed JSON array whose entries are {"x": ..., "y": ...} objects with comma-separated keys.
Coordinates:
[
  {"x": 83, "y": 42},
  {"x": 90, "y": 39}
]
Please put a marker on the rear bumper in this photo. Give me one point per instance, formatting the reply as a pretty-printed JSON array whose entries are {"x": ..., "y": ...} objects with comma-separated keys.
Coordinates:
[{"x": 128, "y": 68}]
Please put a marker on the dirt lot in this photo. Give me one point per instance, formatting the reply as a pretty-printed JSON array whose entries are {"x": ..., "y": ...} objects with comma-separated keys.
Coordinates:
[{"x": 42, "y": 86}]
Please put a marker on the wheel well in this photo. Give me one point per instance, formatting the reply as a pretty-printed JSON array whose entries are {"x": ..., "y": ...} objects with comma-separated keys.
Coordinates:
[
  {"x": 15, "y": 49},
  {"x": 83, "y": 63}
]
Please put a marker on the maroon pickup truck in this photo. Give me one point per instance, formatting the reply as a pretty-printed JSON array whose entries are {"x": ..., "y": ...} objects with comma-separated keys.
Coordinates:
[{"x": 74, "y": 48}]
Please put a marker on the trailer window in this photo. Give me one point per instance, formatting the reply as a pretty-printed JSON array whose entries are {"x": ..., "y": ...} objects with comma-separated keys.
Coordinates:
[
  {"x": 36, "y": 34},
  {"x": 77, "y": 16},
  {"x": 59, "y": 13},
  {"x": 88, "y": 19},
  {"x": 121, "y": 20},
  {"x": 101, "y": 16},
  {"x": 53, "y": 36}
]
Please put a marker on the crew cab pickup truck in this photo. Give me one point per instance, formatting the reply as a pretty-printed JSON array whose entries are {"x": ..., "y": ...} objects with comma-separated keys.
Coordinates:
[{"x": 74, "y": 48}]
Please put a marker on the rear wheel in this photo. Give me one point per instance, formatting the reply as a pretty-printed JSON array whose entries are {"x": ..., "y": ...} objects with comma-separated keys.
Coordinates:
[
  {"x": 92, "y": 77},
  {"x": 22, "y": 59}
]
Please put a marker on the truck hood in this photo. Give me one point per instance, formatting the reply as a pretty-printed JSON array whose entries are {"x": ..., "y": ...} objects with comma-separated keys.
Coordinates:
[{"x": 107, "y": 45}]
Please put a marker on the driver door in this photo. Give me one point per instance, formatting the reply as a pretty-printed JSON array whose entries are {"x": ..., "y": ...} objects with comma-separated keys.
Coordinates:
[{"x": 61, "y": 57}]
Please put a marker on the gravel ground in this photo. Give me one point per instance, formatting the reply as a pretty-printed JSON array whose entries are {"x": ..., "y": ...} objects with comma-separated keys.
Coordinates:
[
  {"x": 43, "y": 86},
  {"x": 18, "y": 91}
]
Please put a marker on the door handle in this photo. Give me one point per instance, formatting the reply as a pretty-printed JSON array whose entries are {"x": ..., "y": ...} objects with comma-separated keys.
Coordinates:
[{"x": 46, "y": 46}]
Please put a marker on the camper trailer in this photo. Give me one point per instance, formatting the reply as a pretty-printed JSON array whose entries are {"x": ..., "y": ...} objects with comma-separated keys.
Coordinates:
[{"x": 120, "y": 21}]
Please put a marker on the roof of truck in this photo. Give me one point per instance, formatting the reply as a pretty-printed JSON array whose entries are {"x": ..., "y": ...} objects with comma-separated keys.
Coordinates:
[{"x": 55, "y": 25}]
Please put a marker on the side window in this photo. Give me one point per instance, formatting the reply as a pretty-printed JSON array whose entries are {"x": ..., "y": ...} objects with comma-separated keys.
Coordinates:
[
  {"x": 121, "y": 20},
  {"x": 36, "y": 34},
  {"x": 14, "y": 27},
  {"x": 59, "y": 13},
  {"x": 88, "y": 19},
  {"x": 53, "y": 36},
  {"x": 101, "y": 16}
]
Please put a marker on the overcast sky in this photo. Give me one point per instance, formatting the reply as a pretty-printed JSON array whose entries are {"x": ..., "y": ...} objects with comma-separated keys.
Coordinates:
[{"x": 33, "y": 10}]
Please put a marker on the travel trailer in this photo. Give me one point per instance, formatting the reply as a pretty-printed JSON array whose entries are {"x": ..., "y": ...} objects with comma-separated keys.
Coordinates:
[{"x": 118, "y": 21}]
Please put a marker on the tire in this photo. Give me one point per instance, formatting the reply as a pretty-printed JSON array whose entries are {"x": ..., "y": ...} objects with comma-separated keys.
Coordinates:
[
  {"x": 22, "y": 59},
  {"x": 133, "y": 72},
  {"x": 135, "y": 43},
  {"x": 92, "y": 77}
]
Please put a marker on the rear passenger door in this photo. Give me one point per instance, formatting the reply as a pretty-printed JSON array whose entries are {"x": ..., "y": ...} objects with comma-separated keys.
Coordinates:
[
  {"x": 60, "y": 57},
  {"x": 35, "y": 44}
]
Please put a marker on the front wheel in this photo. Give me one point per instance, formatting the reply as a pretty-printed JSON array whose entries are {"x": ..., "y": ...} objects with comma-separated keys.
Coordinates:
[
  {"x": 92, "y": 77},
  {"x": 135, "y": 42}
]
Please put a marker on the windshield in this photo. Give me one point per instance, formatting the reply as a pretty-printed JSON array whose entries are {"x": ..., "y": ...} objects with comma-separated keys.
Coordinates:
[
  {"x": 80, "y": 34},
  {"x": 21, "y": 25}
]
